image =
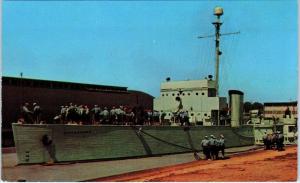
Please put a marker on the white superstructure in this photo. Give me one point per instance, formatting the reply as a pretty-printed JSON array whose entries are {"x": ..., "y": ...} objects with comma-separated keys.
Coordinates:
[{"x": 198, "y": 97}]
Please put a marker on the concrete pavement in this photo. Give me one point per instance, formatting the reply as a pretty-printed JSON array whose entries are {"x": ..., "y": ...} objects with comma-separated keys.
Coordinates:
[{"x": 91, "y": 170}]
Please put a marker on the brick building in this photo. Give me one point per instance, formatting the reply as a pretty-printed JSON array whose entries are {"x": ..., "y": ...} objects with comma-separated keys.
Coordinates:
[{"x": 50, "y": 95}]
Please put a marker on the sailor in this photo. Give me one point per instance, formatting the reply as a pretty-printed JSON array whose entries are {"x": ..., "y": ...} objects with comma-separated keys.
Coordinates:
[
  {"x": 186, "y": 118},
  {"x": 279, "y": 141},
  {"x": 85, "y": 114},
  {"x": 205, "y": 147},
  {"x": 26, "y": 113},
  {"x": 265, "y": 138},
  {"x": 63, "y": 111},
  {"x": 105, "y": 115},
  {"x": 113, "y": 115},
  {"x": 97, "y": 111},
  {"x": 217, "y": 148},
  {"x": 118, "y": 115},
  {"x": 181, "y": 117},
  {"x": 71, "y": 113},
  {"x": 79, "y": 112},
  {"x": 212, "y": 147},
  {"x": 222, "y": 145},
  {"x": 36, "y": 113},
  {"x": 94, "y": 113}
]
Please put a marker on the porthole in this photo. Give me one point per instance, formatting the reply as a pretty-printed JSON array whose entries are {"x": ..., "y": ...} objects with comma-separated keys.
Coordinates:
[
  {"x": 205, "y": 114},
  {"x": 166, "y": 94},
  {"x": 169, "y": 114},
  {"x": 202, "y": 93},
  {"x": 162, "y": 95},
  {"x": 173, "y": 94},
  {"x": 192, "y": 114},
  {"x": 183, "y": 94},
  {"x": 196, "y": 93},
  {"x": 188, "y": 94}
]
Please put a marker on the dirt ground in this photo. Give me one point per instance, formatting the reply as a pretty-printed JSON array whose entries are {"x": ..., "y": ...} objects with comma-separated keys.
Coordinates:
[{"x": 262, "y": 165}]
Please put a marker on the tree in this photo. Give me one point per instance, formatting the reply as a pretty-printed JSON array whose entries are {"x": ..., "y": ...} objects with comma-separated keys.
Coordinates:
[
  {"x": 247, "y": 107},
  {"x": 259, "y": 106}
]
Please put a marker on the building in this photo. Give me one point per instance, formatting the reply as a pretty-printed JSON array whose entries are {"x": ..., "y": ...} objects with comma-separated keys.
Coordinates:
[
  {"x": 278, "y": 109},
  {"x": 50, "y": 95}
]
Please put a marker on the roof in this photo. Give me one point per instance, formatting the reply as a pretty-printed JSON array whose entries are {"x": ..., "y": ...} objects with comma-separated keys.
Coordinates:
[
  {"x": 294, "y": 103},
  {"x": 28, "y": 82}
]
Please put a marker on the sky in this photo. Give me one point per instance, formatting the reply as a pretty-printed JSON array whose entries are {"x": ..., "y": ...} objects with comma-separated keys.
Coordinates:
[{"x": 139, "y": 44}]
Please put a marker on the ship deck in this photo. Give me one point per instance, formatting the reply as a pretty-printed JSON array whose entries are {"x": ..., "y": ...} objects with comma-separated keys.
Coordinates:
[{"x": 81, "y": 171}]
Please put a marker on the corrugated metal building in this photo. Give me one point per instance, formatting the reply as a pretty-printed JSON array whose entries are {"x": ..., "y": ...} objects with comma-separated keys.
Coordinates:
[{"x": 50, "y": 95}]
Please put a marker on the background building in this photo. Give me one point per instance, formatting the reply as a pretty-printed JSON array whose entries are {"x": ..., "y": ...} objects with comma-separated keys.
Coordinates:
[
  {"x": 278, "y": 109},
  {"x": 50, "y": 95}
]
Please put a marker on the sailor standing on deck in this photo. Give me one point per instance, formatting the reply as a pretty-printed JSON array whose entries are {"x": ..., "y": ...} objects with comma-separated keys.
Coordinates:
[
  {"x": 205, "y": 147},
  {"x": 26, "y": 113},
  {"x": 105, "y": 115},
  {"x": 95, "y": 113},
  {"x": 36, "y": 113}
]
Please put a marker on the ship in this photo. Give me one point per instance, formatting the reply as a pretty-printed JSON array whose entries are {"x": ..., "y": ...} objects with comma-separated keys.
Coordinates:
[{"x": 208, "y": 114}]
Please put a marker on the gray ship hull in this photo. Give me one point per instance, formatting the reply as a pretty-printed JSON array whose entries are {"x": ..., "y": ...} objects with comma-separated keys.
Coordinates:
[{"x": 79, "y": 143}]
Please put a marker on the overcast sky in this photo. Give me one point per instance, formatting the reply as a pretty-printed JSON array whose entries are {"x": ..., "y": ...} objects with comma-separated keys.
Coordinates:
[{"x": 139, "y": 44}]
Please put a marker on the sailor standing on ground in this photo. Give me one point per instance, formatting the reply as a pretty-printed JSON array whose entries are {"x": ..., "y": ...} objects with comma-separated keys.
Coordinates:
[
  {"x": 279, "y": 141},
  {"x": 205, "y": 147},
  {"x": 37, "y": 112},
  {"x": 212, "y": 147},
  {"x": 222, "y": 145},
  {"x": 265, "y": 139}
]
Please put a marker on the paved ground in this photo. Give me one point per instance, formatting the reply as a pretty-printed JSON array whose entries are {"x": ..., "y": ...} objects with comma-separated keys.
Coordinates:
[
  {"x": 91, "y": 170},
  {"x": 256, "y": 166}
]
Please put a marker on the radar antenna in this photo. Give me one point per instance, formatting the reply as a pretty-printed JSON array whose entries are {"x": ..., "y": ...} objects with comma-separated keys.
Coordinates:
[{"x": 218, "y": 11}]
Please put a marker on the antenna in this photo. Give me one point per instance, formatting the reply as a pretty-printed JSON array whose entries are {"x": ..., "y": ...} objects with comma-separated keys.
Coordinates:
[{"x": 218, "y": 11}]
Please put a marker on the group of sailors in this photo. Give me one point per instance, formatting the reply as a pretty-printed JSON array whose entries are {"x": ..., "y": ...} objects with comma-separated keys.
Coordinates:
[
  {"x": 212, "y": 146},
  {"x": 31, "y": 114},
  {"x": 83, "y": 115},
  {"x": 73, "y": 114},
  {"x": 273, "y": 141}
]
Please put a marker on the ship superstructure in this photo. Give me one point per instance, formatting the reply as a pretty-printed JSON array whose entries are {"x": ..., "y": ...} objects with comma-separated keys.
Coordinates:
[{"x": 197, "y": 97}]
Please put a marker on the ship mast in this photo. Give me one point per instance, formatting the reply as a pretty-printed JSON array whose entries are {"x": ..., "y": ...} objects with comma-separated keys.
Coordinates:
[{"x": 218, "y": 11}]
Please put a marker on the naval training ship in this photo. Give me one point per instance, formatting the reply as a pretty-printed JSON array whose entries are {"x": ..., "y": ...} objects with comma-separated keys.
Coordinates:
[{"x": 208, "y": 114}]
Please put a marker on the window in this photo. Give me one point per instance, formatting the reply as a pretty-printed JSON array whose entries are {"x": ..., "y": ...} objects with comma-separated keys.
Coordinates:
[
  {"x": 188, "y": 94},
  {"x": 292, "y": 129},
  {"x": 166, "y": 94},
  {"x": 202, "y": 93},
  {"x": 196, "y": 93},
  {"x": 211, "y": 92},
  {"x": 183, "y": 94},
  {"x": 173, "y": 94},
  {"x": 162, "y": 95},
  {"x": 205, "y": 114}
]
